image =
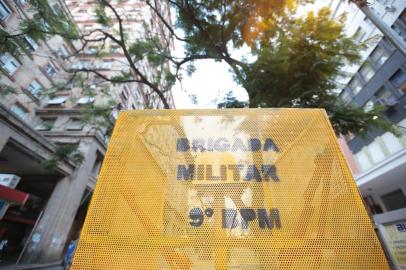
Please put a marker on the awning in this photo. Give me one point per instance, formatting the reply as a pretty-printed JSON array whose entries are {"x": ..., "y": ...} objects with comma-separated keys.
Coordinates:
[{"x": 12, "y": 195}]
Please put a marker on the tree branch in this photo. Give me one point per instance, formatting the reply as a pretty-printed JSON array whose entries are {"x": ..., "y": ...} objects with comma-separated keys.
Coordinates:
[
  {"x": 165, "y": 22},
  {"x": 104, "y": 77}
]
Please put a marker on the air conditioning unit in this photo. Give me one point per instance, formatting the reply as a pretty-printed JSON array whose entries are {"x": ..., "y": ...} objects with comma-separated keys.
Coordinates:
[{"x": 9, "y": 180}]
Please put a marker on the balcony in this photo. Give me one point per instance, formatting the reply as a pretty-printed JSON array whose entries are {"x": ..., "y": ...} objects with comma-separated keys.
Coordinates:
[{"x": 389, "y": 171}]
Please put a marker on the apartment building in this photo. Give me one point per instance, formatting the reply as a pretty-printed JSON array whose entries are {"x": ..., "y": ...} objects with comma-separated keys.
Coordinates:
[
  {"x": 138, "y": 21},
  {"x": 43, "y": 207},
  {"x": 378, "y": 160}
]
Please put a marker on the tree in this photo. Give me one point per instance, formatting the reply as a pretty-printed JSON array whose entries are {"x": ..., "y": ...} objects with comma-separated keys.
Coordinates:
[
  {"x": 297, "y": 60},
  {"x": 230, "y": 101}
]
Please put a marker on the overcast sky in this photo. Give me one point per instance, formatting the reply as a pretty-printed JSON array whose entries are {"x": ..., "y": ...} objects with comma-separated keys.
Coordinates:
[{"x": 211, "y": 79}]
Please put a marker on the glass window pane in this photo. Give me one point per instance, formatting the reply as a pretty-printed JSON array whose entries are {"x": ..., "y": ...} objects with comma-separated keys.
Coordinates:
[
  {"x": 379, "y": 56},
  {"x": 85, "y": 100},
  {"x": 75, "y": 124},
  {"x": 368, "y": 106},
  {"x": 399, "y": 81},
  {"x": 4, "y": 10},
  {"x": 394, "y": 200},
  {"x": 360, "y": 34},
  {"x": 377, "y": 154},
  {"x": 51, "y": 71},
  {"x": 363, "y": 161},
  {"x": 46, "y": 124},
  {"x": 9, "y": 63},
  {"x": 367, "y": 72},
  {"x": 62, "y": 51},
  {"x": 346, "y": 97},
  {"x": 355, "y": 86},
  {"x": 32, "y": 45},
  {"x": 35, "y": 88},
  {"x": 19, "y": 111},
  {"x": 107, "y": 64},
  {"x": 385, "y": 97}
]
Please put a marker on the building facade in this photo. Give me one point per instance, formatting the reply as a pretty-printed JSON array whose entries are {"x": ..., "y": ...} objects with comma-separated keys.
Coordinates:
[
  {"x": 138, "y": 21},
  {"x": 52, "y": 143},
  {"x": 378, "y": 160}
]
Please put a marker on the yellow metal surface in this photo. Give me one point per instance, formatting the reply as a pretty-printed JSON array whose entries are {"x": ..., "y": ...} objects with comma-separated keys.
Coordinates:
[{"x": 226, "y": 189}]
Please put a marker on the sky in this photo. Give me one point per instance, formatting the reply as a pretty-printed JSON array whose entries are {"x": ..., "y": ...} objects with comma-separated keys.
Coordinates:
[{"x": 212, "y": 80}]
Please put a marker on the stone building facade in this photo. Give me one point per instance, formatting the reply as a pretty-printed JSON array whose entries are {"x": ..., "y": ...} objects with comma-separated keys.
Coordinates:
[
  {"x": 36, "y": 127},
  {"x": 138, "y": 21}
]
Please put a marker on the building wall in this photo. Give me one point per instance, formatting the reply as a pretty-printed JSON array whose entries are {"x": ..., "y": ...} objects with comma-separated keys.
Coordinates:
[
  {"x": 138, "y": 21},
  {"x": 33, "y": 124},
  {"x": 379, "y": 80}
]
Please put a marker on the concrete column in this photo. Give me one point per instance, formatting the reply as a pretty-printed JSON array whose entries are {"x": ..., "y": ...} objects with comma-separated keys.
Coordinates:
[
  {"x": 50, "y": 235},
  {"x": 3, "y": 140},
  {"x": 388, "y": 32}
]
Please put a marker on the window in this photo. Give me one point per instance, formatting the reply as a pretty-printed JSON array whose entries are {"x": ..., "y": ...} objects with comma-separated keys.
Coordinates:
[
  {"x": 9, "y": 63},
  {"x": 84, "y": 64},
  {"x": 400, "y": 25},
  {"x": 394, "y": 200},
  {"x": 368, "y": 106},
  {"x": 399, "y": 81},
  {"x": 368, "y": 22},
  {"x": 31, "y": 44},
  {"x": 377, "y": 154},
  {"x": 114, "y": 49},
  {"x": 97, "y": 80},
  {"x": 127, "y": 28},
  {"x": 391, "y": 142},
  {"x": 363, "y": 161},
  {"x": 51, "y": 70},
  {"x": 360, "y": 34},
  {"x": 57, "y": 10},
  {"x": 104, "y": 65},
  {"x": 44, "y": 24},
  {"x": 97, "y": 164},
  {"x": 5, "y": 11},
  {"x": 87, "y": 27},
  {"x": 74, "y": 124},
  {"x": 107, "y": 64},
  {"x": 123, "y": 97},
  {"x": 80, "y": 65},
  {"x": 57, "y": 101},
  {"x": 385, "y": 97},
  {"x": 355, "y": 85},
  {"x": 379, "y": 56},
  {"x": 92, "y": 50},
  {"x": 366, "y": 72},
  {"x": 35, "y": 88},
  {"x": 85, "y": 100},
  {"x": 46, "y": 124},
  {"x": 20, "y": 111},
  {"x": 63, "y": 52},
  {"x": 125, "y": 94}
]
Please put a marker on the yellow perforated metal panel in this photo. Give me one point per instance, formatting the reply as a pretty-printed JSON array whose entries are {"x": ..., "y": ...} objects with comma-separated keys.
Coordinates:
[{"x": 226, "y": 189}]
